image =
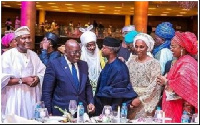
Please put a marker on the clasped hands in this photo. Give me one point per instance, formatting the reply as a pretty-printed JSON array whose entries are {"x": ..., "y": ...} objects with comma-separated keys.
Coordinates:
[{"x": 31, "y": 81}]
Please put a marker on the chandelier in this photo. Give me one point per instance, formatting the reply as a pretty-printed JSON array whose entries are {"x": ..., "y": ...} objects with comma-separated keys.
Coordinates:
[{"x": 187, "y": 4}]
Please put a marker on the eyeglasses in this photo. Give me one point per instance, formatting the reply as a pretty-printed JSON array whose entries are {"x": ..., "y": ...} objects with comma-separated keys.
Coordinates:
[
  {"x": 75, "y": 52},
  {"x": 90, "y": 46}
]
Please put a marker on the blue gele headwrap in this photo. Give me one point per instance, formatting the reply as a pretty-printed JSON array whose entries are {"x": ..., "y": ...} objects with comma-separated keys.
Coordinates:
[
  {"x": 165, "y": 30},
  {"x": 129, "y": 37}
]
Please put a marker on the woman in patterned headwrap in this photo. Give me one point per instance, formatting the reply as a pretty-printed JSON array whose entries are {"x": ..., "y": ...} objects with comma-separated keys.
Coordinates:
[
  {"x": 143, "y": 71},
  {"x": 163, "y": 35},
  {"x": 8, "y": 41},
  {"x": 181, "y": 83}
]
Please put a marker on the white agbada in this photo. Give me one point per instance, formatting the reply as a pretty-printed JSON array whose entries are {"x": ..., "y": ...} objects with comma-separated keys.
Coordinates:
[{"x": 20, "y": 99}]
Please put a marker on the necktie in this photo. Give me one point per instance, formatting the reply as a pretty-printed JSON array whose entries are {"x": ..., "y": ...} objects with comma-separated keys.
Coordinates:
[{"x": 74, "y": 73}]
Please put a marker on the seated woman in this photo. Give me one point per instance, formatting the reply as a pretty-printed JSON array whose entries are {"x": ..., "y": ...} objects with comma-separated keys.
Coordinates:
[
  {"x": 143, "y": 71},
  {"x": 181, "y": 85}
]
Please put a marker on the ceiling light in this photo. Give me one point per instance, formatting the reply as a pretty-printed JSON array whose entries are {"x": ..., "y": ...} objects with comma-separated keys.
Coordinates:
[
  {"x": 54, "y": 6},
  {"x": 100, "y": 12},
  {"x": 6, "y": 5},
  {"x": 69, "y": 4},
  {"x": 179, "y": 15},
  {"x": 56, "y": 9},
  {"x": 185, "y": 9},
  {"x": 151, "y": 8},
  {"x": 51, "y": 3},
  {"x": 117, "y": 10},
  {"x": 38, "y": 5},
  {"x": 70, "y": 7},
  {"x": 19, "y": 4},
  {"x": 168, "y": 9},
  {"x": 150, "y": 14},
  {"x": 37, "y": 2},
  {"x": 115, "y": 13},
  {"x": 163, "y": 14},
  {"x": 118, "y": 7},
  {"x": 85, "y": 5},
  {"x": 101, "y": 6},
  {"x": 132, "y": 8},
  {"x": 183, "y": 12}
]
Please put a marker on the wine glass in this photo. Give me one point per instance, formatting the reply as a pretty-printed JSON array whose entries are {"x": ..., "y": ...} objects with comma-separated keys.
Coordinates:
[
  {"x": 72, "y": 107},
  {"x": 107, "y": 110}
]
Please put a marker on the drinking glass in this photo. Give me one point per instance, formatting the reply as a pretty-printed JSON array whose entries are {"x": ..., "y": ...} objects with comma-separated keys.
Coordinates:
[
  {"x": 107, "y": 110},
  {"x": 43, "y": 114},
  {"x": 194, "y": 118},
  {"x": 72, "y": 107},
  {"x": 115, "y": 118}
]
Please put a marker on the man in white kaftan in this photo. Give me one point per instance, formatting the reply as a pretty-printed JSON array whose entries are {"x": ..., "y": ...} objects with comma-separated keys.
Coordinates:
[{"x": 22, "y": 77}]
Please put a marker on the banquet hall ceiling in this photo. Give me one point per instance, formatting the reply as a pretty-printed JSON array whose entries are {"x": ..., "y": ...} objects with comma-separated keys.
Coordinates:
[{"x": 156, "y": 8}]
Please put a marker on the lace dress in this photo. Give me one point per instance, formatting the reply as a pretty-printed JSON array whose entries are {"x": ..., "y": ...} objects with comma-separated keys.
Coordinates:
[{"x": 143, "y": 79}]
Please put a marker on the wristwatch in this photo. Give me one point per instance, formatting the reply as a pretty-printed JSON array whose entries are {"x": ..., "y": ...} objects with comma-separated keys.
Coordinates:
[{"x": 20, "y": 81}]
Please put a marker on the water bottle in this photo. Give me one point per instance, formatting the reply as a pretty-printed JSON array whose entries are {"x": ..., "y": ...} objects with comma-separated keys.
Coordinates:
[
  {"x": 124, "y": 112},
  {"x": 158, "y": 115},
  {"x": 38, "y": 106},
  {"x": 37, "y": 113},
  {"x": 185, "y": 118},
  {"x": 81, "y": 113}
]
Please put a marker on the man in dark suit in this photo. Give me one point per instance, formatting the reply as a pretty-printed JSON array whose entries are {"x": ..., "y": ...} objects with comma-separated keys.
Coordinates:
[{"x": 59, "y": 86}]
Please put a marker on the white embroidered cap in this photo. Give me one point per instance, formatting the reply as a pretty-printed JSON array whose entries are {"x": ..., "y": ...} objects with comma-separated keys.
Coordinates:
[
  {"x": 87, "y": 36},
  {"x": 23, "y": 30},
  {"x": 128, "y": 28}
]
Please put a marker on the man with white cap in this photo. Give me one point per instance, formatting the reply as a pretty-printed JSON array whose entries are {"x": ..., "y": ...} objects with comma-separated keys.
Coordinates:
[
  {"x": 92, "y": 55},
  {"x": 124, "y": 52},
  {"x": 22, "y": 75}
]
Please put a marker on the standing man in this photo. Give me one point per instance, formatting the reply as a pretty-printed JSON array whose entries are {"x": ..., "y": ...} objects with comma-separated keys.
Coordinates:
[
  {"x": 61, "y": 85},
  {"x": 17, "y": 22},
  {"x": 163, "y": 35},
  {"x": 113, "y": 87},
  {"x": 124, "y": 51},
  {"x": 22, "y": 75},
  {"x": 49, "y": 47}
]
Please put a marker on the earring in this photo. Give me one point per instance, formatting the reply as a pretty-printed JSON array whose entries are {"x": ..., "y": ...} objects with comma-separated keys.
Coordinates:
[{"x": 181, "y": 52}]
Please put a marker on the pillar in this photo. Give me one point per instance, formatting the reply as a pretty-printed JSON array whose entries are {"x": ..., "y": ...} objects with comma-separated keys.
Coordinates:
[
  {"x": 41, "y": 16},
  {"x": 28, "y": 17},
  {"x": 141, "y": 15},
  {"x": 127, "y": 20}
]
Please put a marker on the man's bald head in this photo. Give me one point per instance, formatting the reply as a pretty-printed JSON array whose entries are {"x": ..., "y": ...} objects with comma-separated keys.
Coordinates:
[
  {"x": 71, "y": 43},
  {"x": 72, "y": 50}
]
